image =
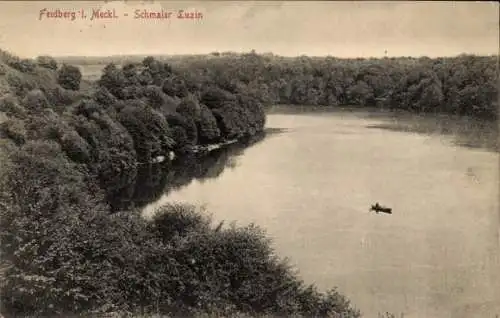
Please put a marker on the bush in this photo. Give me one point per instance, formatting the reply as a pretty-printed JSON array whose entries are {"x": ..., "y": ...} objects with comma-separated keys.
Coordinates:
[
  {"x": 49, "y": 126},
  {"x": 69, "y": 77},
  {"x": 60, "y": 97},
  {"x": 231, "y": 270},
  {"x": 66, "y": 255},
  {"x": 39, "y": 221},
  {"x": 173, "y": 220},
  {"x": 15, "y": 130},
  {"x": 47, "y": 62},
  {"x": 35, "y": 101},
  {"x": 22, "y": 65},
  {"x": 20, "y": 85},
  {"x": 10, "y": 105}
]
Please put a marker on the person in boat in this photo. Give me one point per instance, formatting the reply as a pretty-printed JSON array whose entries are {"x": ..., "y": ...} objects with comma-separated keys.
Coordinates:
[{"x": 378, "y": 208}]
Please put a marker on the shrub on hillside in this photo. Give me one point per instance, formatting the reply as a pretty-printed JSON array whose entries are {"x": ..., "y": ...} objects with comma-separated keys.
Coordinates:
[
  {"x": 35, "y": 101},
  {"x": 47, "y": 62},
  {"x": 59, "y": 97},
  {"x": 69, "y": 77},
  {"x": 65, "y": 254},
  {"x": 22, "y": 65},
  {"x": 40, "y": 223},
  {"x": 13, "y": 129},
  {"x": 231, "y": 270},
  {"x": 20, "y": 85},
  {"x": 10, "y": 105},
  {"x": 177, "y": 220},
  {"x": 49, "y": 126}
]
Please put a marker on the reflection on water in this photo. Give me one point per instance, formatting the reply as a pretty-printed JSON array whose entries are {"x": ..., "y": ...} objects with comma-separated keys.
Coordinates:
[
  {"x": 151, "y": 181},
  {"x": 464, "y": 131}
]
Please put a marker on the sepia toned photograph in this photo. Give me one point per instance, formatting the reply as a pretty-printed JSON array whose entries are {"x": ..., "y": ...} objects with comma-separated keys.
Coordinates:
[{"x": 249, "y": 159}]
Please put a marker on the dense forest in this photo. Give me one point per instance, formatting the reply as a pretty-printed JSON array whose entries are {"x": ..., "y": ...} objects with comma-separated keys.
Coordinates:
[
  {"x": 70, "y": 145},
  {"x": 462, "y": 85}
]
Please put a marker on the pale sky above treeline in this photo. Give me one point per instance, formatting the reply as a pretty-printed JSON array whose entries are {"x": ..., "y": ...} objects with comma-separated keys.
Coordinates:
[{"x": 290, "y": 28}]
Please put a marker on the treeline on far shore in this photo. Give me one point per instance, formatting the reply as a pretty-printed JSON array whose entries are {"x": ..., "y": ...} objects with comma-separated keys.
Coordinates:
[
  {"x": 461, "y": 85},
  {"x": 67, "y": 143}
]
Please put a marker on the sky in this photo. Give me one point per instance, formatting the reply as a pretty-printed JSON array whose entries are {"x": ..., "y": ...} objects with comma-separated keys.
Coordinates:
[{"x": 290, "y": 28}]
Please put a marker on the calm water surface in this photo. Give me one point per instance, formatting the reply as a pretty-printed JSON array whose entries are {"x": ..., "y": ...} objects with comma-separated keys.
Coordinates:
[{"x": 311, "y": 188}]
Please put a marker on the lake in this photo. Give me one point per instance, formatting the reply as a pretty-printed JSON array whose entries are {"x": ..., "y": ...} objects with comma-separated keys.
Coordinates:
[{"x": 311, "y": 186}]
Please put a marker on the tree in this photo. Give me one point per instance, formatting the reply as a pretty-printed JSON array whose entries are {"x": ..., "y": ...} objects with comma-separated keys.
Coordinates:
[
  {"x": 69, "y": 77},
  {"x": 208, "y": 131},
  {"x": 113, "y": 79},
  {"x": 148, "y": 128},
  {"x": 361, "y": 94}
]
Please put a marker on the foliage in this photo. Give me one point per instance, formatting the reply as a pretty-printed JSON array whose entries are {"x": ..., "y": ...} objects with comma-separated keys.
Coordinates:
[
  {"x": 208, "y": 131},
  {"x": 184, "y": 131},
  {"x": 112, "y": 150},
  {"x": 234, "y": 269},
  {"x": 35, "y": 101},
  {"x": 40, "y": 221},
  {"x": 47, "y": 62},
  {"x": 463, "y": 85},
  {"x": 60, "y": 98},
  {"x": 66, "y": 255},
  {"x": 113, "y": 80},
  {"x": 149, "y": 130},
  {"x": 13, "y": 129},
  {"x": 10, "y": 105},
  {"x": 22, "y": 65},
  {"x": 49, "y": 126},
  {"x": 20, "y": 85},
  {"x": 69, "y": 77}
]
